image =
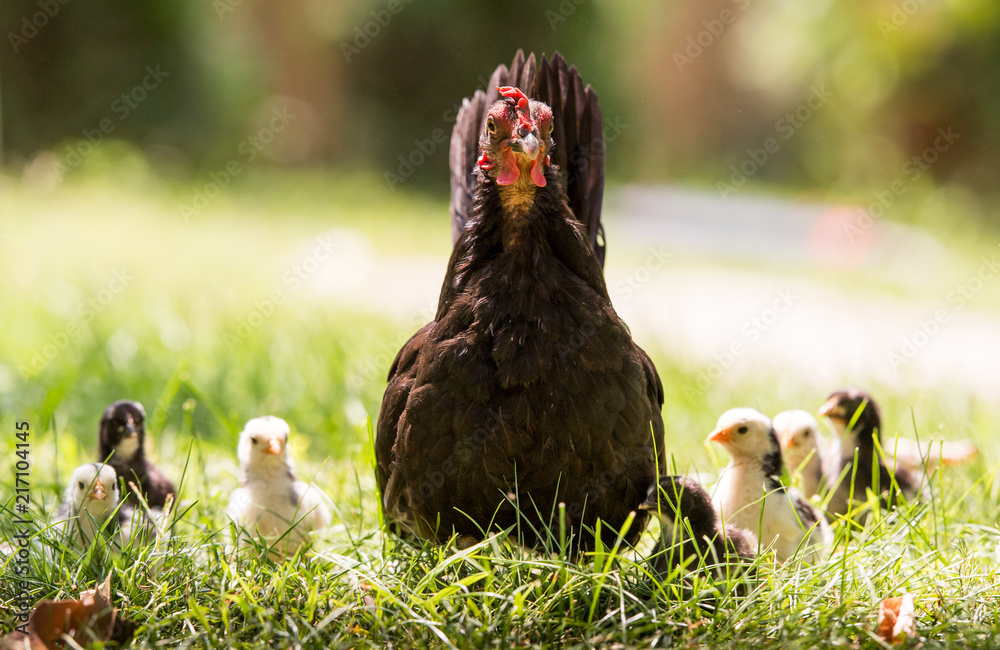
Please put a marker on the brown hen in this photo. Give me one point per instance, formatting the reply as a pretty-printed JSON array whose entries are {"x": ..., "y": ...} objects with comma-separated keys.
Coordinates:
[{"x": 526, "y": 391}]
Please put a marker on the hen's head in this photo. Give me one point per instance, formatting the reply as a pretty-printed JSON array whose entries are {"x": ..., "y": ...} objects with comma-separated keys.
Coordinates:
[{"x": 517, "y": 139}]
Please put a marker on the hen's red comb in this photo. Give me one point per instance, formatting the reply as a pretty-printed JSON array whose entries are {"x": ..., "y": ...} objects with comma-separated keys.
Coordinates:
[
  {"x": 513, "y": 93},
  {"x": 524, "y": 117}
]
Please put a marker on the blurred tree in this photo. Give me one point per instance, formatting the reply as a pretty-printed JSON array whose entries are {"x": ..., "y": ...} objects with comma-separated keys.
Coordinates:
[
  {"x": 68, "y": 66},
  {"x": 692, "y": 91}
]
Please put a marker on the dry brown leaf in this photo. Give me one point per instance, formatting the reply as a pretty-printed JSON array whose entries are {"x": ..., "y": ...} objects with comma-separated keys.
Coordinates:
[
  {"x": 897, "y": 618},
  {"x": 89, "y": 619}
]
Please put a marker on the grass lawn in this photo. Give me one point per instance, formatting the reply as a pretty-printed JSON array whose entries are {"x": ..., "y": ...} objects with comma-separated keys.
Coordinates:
[{"x": 186, "y": 329}]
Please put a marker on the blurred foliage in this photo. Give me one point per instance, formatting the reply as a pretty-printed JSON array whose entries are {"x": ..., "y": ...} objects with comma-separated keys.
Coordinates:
[{"x": 692, "y": 91}]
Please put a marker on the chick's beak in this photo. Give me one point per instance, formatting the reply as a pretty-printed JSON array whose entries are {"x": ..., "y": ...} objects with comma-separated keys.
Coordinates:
[
  {"x": 97, "y": 492},
  {"x": 788, "y": 443},
  {"x": 721, "y": 435},
  {"x": 831, "y": 409},
  {"x": 273, "y": 447}
]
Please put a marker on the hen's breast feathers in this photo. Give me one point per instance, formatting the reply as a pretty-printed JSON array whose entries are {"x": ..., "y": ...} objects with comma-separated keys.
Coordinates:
[{"x": 527, "y": 371}]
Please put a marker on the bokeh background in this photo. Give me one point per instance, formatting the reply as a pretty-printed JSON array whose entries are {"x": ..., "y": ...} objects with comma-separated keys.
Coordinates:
[{"x": 800, "y": 195}]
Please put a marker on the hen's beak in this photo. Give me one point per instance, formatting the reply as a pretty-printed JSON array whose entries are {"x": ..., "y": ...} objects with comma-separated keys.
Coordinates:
[
  {"x": 273, "y": 447},
  {"x": 97, "y": 492},
  {"x": 132, "y": 431},
  {"x": 831, "y": 409},
  {"x": 528, "y": 145},
  {"x": 721, "y": 435}
]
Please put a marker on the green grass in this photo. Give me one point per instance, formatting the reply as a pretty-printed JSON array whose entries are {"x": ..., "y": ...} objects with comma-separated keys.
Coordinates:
[{"x": 320, "y": 365}]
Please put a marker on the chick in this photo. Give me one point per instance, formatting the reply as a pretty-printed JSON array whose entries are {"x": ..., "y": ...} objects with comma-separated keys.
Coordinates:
[
  {"x": 90, "y": 504},
  {"x": 690, "y": 532},
  {"x": 783, "y": 516},
  {"x": 271, "y": 502},
  {"x": 855, "y": 418},
  {"x": 803, "y": 449},
  {"x": 121, "y": 439}
]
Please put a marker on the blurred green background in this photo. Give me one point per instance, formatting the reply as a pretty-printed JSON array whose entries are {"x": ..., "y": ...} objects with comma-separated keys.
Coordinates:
[
  {"x": 696, "y": 84},
  {"x": 204, "y": 147}
]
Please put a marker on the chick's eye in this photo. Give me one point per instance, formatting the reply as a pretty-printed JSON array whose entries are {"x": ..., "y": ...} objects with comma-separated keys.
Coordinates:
[
  {"x": 741, "y": 430},
  {"x": 805, "y": 435},
  {"x": 80, "y": 483},
  {"x": 253, "y": 440},
  {"x": 491, "y": 126}
]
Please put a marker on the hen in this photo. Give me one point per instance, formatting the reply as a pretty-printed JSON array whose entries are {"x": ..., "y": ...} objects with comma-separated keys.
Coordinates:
[{"x": 526, "y": 391}]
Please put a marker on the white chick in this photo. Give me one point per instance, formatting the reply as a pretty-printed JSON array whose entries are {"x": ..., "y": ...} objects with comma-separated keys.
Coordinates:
[
  {"x": 783, "y": 517},
  {"x": 271, "y": 502},
  {"x": 802, "y": 447},
  {"x": 89, "y": 504}
]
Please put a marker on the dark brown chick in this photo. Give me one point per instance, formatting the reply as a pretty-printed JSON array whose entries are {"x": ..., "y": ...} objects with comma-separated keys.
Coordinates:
[
  {"x": 857, "y": 422},
  {"x": 121, "y": 443},
  {"x": 691, "y": 535}
]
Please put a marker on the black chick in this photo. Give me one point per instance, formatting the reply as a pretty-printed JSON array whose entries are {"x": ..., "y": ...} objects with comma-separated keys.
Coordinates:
[
  {"x": 842, "y": 408},
  {"x": 690, "y": 531},
  {"x": 122, "y": 444}
]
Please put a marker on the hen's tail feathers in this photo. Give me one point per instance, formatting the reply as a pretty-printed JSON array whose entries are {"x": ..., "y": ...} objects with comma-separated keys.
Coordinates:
[{"x": 579, "y": 140}]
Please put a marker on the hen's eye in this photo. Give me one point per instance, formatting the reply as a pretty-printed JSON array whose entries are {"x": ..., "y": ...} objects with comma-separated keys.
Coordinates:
[
  {"x": 80, "y": 483},
  {"x": 741, "y": 430},
  {"x": 491, "y": 126}
]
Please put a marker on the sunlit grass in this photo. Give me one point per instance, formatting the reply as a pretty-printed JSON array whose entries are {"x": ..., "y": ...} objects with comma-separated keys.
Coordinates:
[{"x": 167, "y": 340}]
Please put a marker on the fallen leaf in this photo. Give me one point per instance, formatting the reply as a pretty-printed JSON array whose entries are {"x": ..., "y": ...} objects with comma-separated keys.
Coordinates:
[
  {"x": 90, "y": 619},
  {"x": 897, "y": 618}
]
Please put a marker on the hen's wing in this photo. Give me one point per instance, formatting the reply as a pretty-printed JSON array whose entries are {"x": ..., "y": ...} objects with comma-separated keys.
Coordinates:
[
  {"x": 579, "y": 140},
  {"x": 401, "y": 376}
]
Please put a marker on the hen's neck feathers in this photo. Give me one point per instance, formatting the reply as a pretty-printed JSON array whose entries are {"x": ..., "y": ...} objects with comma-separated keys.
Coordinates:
[{"x": 527, "y": 237}]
